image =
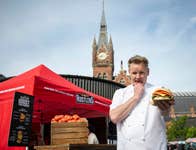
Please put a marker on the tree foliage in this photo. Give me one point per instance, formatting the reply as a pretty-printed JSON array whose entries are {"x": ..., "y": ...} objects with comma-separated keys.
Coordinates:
[
  {"x": 191, "y": 132},
  {"x": 178, "y": 130}
]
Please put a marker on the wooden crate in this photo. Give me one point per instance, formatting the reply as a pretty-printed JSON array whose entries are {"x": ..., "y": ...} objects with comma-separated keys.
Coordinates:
[
  {"x": 69, "y": 133},
  {"x": 77, "y": 147}
]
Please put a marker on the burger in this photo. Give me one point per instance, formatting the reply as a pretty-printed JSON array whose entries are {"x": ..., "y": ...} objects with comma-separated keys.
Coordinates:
[
  {"x": 19, "y": 136},
  {"x": 22, "y": 117},
  {"x": 162, "y": 94}
]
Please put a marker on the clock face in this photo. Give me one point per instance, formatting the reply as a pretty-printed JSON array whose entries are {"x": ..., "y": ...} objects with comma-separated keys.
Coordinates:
[{"x": 102, "y": 56}]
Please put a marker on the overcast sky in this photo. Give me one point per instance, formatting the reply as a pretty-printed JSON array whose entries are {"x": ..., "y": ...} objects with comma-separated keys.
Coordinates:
[{"x": 59, "y": 34}]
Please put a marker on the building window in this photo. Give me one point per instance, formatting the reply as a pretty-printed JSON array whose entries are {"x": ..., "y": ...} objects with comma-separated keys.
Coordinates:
[
  {"x": 104, "y": 76},
  {"x": 122, "y": 81},
  {"x": 99, "y": 75}
]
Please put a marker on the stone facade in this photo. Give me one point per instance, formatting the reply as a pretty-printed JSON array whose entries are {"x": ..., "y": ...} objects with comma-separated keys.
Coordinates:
[{"x": 122, "y": 76}]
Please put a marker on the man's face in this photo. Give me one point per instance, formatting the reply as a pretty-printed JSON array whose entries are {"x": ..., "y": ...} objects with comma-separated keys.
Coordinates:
[{"x": 138, "y": 73}]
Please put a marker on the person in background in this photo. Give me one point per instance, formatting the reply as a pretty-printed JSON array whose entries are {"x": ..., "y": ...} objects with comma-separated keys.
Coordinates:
[
  {"x": 140, "y": 125},
  {"x": 92, "y": 138}
]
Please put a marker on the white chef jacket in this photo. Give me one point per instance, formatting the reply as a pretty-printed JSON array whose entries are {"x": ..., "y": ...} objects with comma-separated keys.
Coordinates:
[
  {"x": 144, "y": 127},
  {"x": 92, "y": 138}
]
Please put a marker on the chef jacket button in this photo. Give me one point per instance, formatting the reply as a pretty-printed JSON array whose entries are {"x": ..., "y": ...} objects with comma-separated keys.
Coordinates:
[
  {"x": 142, "y": 124},
  {"x": 143, "y": 139}
]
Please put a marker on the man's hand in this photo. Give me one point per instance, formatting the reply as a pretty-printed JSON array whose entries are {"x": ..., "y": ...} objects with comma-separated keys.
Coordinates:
[
  {"x": 165, "y": 105},
  {"x": 138, "y": 90},
  {"x": 122, "y": 111}
]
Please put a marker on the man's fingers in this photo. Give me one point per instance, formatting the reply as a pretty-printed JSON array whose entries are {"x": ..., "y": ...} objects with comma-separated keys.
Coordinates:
[
  {"x": 163, "y": 105},
  {"x": 171, "y": 102}
]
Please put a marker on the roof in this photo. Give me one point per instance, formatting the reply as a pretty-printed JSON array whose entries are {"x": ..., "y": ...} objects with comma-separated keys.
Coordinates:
[
  {"x": 2, "y": 77},
  {"x": 184, "y": 101},
  {"x": 184, "y": 93}
]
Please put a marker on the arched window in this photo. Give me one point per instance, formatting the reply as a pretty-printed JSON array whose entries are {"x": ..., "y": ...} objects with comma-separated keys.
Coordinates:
[
  {"x": 104, "y": 76},
  {"x": 99, "y": 75}
]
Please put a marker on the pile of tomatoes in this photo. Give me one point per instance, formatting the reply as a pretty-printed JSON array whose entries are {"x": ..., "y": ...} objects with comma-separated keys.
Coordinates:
[{"x": 68, "y": 118}]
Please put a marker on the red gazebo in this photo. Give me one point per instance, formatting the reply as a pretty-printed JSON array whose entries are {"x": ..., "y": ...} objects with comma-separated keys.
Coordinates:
[{"x": 52, "y": 95}]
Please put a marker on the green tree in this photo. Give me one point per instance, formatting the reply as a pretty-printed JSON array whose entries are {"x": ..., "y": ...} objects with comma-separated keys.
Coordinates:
[
  {"x": 191, "y": 132},
  {"x": 177, "y": 130}
]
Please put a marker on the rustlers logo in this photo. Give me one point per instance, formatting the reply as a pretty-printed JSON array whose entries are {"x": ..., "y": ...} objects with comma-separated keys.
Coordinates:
[{"x": 84, "y": 99}]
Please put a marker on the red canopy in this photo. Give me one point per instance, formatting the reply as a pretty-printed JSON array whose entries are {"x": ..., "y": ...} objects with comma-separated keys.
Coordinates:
[{"x": 52, "y": 95}]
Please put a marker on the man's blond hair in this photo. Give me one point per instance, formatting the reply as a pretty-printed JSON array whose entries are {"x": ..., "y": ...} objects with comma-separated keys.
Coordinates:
[{"x": 137, "y": 59}]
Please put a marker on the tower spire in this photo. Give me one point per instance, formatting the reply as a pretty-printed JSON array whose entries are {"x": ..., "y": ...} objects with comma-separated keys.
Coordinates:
[
  {"x": 121, "y": 65},
  {"x": 110, "y": 43},
  {"x": 103, "y": 20},
  {"x": 103, "y": 39},
  {"x": 94, "y": 45}
]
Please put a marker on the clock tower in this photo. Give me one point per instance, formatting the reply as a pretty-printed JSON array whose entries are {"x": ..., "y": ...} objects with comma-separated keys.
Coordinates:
[{"x": 103, "y": 53}]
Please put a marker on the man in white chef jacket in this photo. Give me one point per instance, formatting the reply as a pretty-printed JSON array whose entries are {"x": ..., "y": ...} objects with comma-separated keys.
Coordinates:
[{"x": 140, "y": 125}]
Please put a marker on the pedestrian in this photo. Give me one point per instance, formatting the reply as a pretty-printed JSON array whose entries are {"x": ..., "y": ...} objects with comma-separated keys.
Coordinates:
[{"x": 92, "y": 138}]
